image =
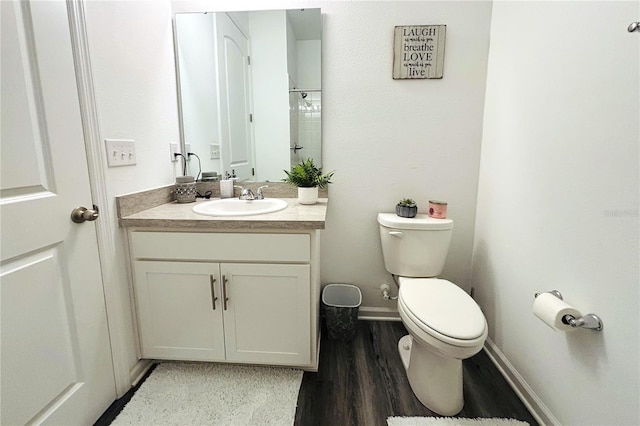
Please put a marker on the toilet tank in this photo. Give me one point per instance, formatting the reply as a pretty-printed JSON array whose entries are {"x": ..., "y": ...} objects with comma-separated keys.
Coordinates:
[{"x": 414, "y": 247}]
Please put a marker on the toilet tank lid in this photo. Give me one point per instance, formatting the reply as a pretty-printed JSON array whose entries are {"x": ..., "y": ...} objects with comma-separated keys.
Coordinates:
[{"x": 421, "y": 221}]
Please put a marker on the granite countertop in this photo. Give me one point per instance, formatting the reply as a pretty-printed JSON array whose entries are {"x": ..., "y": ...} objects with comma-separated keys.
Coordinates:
[{"x": 175, "y": 215}]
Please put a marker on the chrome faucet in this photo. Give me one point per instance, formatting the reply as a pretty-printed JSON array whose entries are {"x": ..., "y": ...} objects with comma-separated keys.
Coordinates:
[
  {"x": 259, "y": 194},
  {"x": 245, "y": 193}
]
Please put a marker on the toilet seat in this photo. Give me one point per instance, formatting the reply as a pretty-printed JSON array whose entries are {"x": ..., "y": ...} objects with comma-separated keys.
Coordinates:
[{"x": 442, "y": 310}]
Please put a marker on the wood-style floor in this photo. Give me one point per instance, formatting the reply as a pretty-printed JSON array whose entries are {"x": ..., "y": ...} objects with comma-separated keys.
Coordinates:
[{"x": 363, "y": 382}]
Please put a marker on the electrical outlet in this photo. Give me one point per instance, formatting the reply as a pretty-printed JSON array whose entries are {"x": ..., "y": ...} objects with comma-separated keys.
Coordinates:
[
  {"x": 173, "y": 149},
  {"x": 120, "y": 152},
  {"x": 214, "y": 151},
  {"x": 187, "y": 150}
]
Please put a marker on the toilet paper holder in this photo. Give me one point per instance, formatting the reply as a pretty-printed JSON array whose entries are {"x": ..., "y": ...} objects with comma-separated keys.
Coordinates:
[{"x": 590, "y": 321}]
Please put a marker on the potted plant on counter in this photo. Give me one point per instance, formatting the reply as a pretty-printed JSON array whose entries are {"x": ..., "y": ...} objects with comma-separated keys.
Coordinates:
[
  {"x": 406, "y": 208},
  {"x": 308, "y": 178}
]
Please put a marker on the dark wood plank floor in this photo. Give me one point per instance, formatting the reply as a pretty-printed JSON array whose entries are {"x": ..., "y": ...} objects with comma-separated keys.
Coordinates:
[{"x": 363, "y": 382}]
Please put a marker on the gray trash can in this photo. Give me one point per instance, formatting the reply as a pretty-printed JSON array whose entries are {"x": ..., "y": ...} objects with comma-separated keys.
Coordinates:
[{"x": 341, "y": 303}]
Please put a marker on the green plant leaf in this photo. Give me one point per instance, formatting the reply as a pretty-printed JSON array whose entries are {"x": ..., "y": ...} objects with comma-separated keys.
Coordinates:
[
  {"x": 307, "y": 175},
  {"x": 408, "y": 202}
]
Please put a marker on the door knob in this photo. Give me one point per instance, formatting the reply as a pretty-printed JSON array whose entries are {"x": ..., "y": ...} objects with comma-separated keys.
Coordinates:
[{"x": 83, "y": 214}]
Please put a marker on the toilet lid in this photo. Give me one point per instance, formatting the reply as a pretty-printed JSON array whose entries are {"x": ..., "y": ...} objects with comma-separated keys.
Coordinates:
[{"x": 442, "y": 306}]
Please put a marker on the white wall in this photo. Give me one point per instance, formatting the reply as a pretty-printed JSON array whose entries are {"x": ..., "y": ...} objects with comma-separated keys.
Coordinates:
[
  {"x": 133, "y": 65},
  {"x": 131, "y": 49},
  {"x": 388, "y": 139},
  {"x": 198, "y": 65},
  {"x": 558, "y": 201},
  {"x": 309, "y": 64},
  {"x": 292, "y": 54}
]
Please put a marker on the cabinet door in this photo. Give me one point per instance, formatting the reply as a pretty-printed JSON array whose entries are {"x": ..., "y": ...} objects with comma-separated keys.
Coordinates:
[
  {"x": 267, "y": 319},
  {"x": 178, "y": 313}
]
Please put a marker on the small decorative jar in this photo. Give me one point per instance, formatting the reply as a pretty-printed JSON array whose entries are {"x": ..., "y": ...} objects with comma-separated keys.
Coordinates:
[
  {"x": 185, "y": 189},
  {"x": 407, "y": 208},
  {"x": 437, "y": 209}
]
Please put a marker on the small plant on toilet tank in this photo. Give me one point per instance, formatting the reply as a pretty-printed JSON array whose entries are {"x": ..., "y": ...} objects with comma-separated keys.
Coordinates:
[{"x": 406, "y": 207}]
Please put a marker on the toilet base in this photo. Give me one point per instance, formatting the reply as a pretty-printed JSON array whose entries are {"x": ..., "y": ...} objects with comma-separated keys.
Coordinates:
[
  {"x": 404, "y": 348},
  {"x": 435, "y": 380}
]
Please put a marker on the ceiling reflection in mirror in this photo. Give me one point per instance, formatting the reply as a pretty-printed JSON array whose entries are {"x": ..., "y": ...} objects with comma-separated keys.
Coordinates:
[{"x": 249, "y": 87}]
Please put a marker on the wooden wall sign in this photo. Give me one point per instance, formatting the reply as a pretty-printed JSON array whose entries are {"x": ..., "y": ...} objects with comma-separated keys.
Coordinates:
[{"x": 418, "y": 51}]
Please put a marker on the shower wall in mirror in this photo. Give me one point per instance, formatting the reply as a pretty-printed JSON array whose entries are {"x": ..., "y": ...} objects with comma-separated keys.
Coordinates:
[
  {"x": 250, "y": 90},
  {"x": 305, "y": 121}
]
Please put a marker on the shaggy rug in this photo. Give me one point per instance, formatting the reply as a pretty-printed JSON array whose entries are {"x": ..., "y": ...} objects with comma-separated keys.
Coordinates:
[
  {"x": 182, "y": 393},
  {"x": 451, "y": 421}
]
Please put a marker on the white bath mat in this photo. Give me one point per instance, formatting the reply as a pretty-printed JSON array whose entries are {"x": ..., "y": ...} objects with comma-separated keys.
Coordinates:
[
  {"x": 181, "y": 393},
  {"x": 452, "y": 421}
]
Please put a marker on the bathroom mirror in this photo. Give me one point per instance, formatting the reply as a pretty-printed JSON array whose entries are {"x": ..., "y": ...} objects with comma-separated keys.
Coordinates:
[{"x": 249, "y": 90}]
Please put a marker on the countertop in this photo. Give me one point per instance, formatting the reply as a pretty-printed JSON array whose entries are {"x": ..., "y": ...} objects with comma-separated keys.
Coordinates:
[{"x": 177, "y": 215}]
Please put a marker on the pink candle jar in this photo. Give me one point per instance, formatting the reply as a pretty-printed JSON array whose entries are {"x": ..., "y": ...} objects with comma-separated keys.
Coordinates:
[{"x": 437, "y": 209}]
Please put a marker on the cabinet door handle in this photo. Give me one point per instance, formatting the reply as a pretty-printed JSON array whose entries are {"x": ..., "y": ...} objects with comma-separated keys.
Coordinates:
[
  {"x": 213, "y": 291},
  {"x": 225, "y": 299}
]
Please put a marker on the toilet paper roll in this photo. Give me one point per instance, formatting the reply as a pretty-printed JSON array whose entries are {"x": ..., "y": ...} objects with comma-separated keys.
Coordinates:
[{"x": 550, "y": 310}]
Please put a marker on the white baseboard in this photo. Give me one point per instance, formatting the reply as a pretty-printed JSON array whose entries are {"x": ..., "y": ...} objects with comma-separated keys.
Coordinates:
[
  {"x": 529, "y": 398},
  {"x": 376, "y": 313},
  {"x": 139, "y": 370}
]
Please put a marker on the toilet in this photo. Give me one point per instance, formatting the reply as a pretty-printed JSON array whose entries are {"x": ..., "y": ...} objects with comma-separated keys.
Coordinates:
[{"x": 445, "y": 324}]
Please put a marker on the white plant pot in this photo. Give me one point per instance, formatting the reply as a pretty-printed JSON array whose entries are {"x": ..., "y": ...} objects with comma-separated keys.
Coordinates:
[{"x": 308, "y": 195}]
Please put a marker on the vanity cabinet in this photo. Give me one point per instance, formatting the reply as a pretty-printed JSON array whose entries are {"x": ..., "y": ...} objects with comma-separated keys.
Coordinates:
[{"x": 234, "y": 297}]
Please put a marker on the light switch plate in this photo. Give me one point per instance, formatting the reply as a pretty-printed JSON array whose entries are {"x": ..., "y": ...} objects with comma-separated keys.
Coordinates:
[{"x": 120, "y": 152}]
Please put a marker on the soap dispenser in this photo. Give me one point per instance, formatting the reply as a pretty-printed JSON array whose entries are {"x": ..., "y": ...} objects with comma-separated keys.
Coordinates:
[{"x": 226, "y": 186}]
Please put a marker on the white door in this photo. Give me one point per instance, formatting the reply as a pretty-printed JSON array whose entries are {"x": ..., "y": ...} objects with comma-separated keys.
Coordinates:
[
  {"x": 56, "y": 356},
  {"x": 235, "y": 127},
  {"x": 268, "y": 314}
]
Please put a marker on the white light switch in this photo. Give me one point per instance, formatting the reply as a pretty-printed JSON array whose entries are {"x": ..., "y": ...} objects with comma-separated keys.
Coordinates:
[{"x": 120, "y": 152}]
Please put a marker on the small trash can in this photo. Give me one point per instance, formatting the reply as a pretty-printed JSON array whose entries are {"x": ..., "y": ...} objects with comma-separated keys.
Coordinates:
[{"x": 341, "y": 303}]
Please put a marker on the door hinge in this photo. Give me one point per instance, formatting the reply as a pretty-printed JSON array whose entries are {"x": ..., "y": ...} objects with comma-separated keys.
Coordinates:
[
  {"x": 248, "y": 60},
  {"x": 250, "y": 118},
  {"x": 253, "y": 171}
]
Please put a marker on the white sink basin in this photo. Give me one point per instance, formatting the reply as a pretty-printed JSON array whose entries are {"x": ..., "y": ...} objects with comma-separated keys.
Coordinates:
[{"x": 236, "y": 207}]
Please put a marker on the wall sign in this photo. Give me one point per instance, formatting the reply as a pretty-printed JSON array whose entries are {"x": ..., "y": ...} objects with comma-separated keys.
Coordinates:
[{"x": 418, "y": 51}]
